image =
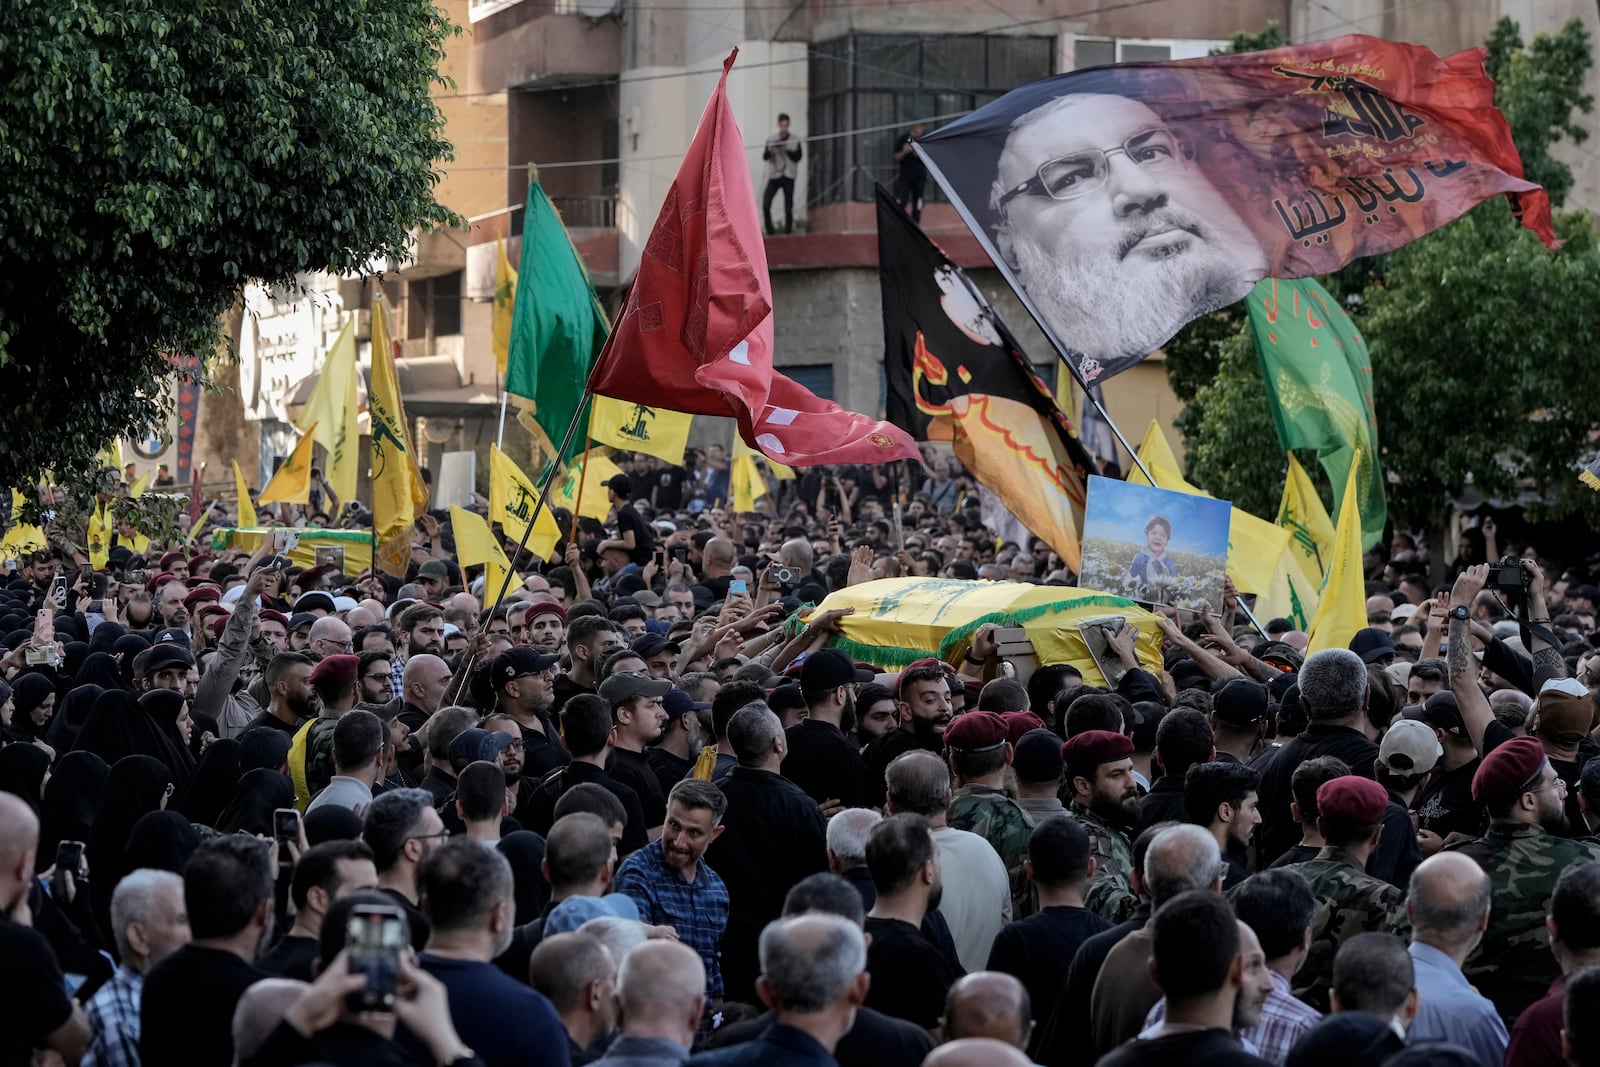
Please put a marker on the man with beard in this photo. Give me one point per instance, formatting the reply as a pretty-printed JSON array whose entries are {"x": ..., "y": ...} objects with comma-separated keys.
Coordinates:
[
  {"x": 171, "y": 608},
  {"x": 186, "y": 1013},
  {"x": 1523, "y": 853},
  {"x": 912, "y": 977},
  {"x": 512, "y": 759},
  {"x": 291, "y": 698},
  {"x": 524, "y": 679},
  {"x": 1113, "y": 230},
  {"x": 638, "y": 719},
  {"x": 876, "y": 712},
  {"x": 589, "y": 641},
  {"x": 672, "y": 758},
  {"x": 421, "y": 631},
  {"x": 821, "y": 759},
  {"x": 923, "y": 704},
  {"x": 466, "y": 890},
  {"x": 1099, "y": 776},
  {"x": 547, "y": 627}
]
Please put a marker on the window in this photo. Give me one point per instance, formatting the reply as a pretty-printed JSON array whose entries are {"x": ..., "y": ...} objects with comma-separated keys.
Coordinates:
[
  {"x": 867, "y": 81},
  {"x": 438, "y": 306},
  {"x": 817, "y": 377},
  {"x": 1104, "y": 51}
]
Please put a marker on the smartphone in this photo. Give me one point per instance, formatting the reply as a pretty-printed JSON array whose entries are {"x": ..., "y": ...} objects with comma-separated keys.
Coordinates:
[
  {"x": 58, "y": 588},
  {"x": 288, "y": 541},
  {"x": 738, "y": 587},
  {"x": 86, "y": 573},
  {"x": 1095, "y": 633},
  {"x": 69, "y": 858},
  {"x": 680, "y": 554},
  {"x": 286, "y": 825},
  {"x": 374, "y": 937}
]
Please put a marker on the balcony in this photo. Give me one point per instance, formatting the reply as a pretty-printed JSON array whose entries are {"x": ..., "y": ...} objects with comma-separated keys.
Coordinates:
[{"x": 542, "y": 42}]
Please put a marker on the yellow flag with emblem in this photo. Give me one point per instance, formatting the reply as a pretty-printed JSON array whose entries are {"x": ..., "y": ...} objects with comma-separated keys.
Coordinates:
[
  {"x": 1302, "y": 514},
  {"x": 136, "y": 490},
  {"x": 596, "y": 503},
  {"x": 246, "y": 508},
  {"x": 511, "y": 498},
  {"x": 744, "y": 479},
  {"x": 1293, "y": 594},
  {"x": 398, "y": 495},
  {"x": 332, "y": 413},
  {"x": 476, "y": 544},
  {"x": 21, "y": 538},
  {"x": 505, "y": 298},
  {"x": 1343, "y": 609},
  {"x": 292, "y": 482},
  {"x": 636, "y": 428},
  {"x": 99, "y": 532}
]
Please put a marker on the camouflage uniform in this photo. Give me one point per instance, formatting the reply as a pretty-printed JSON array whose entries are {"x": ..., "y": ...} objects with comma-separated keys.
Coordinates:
[
  {"x": 1110, "y": 894},
  {"x": 995, "y": 817},
  {"x": 1513, "y": 965},
  {"x": 1349, "y": 902}
]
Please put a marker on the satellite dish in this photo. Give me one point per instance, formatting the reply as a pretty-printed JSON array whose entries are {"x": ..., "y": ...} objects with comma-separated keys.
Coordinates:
[
  {"x": 250, "y": 361},
  {"x": 598, "y": 9}
]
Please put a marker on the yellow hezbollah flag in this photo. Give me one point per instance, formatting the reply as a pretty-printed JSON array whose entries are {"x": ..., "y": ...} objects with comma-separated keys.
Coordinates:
[
  {"x": 292, "y": 483},
  {"x": 99, "y": 533},
  {"x": 1302, "y": 514},
  {"x": 511, "y": 499},
  {"x": 1292, "y": 595},
  {"x": 334, "y": 413},
  {"x": 136, "y": 490},
  {"x": 744, "y": 479},
  {"x": 1254, "y": 545},
  {"x": 636, "y": 428},
  {"x": 1343, "y": 609},
  {"x": 398, "y": 495},
  {"x": 21, "y": 537},
  {"x": 505, "y": 298},
  {"x": 475, "y": 544},
  {"x": 246, "y": 508},
  {"x": 596, "y": 504}
]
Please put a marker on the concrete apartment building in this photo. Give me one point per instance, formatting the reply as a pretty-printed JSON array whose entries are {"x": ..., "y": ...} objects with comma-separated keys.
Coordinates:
[{"x": 603, "y": 96}]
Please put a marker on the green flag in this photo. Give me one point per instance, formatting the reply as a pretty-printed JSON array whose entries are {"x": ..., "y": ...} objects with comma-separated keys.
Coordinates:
[
  {"x": 557, "y": 324},
  {"x": 1319, "y": 385}
]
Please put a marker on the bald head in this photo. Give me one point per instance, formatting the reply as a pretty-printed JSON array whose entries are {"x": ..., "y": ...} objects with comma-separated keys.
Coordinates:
[
  {"x": 329, "y": 636},
  {"x": 1449, "y": 902},
  {"x": 259, "y": 1012},
  {"x": 19, "y": 839},
  {"x": 988, "y": 1004},
  {"x": 660, "y": 986},
  {"x": 720, "y": 552},
  {"x": 1181, "y": 859},
  {"x": 976, "y": 1052},
  {"x": 464, "y": 602},
  {"x": 424, "y": 681},
  {"x": 796, "y": 553}
]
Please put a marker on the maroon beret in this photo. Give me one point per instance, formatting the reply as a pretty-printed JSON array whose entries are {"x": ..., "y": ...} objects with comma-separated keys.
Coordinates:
[
  {"x": 203, "y": 594},
  {"x": 975, "y": 731},
  {"x": 1354, "y": 799},
  {"x": 1505, "y": 772},
  {"x": 1019, "y": 723},
  {"x": 158, "y": 580},
  {"x": 337, "y": 670},
  {"x": 276, "y": 616},
  {"x": 547, "y": 607},
  {"x": 1094, "y": 747}
]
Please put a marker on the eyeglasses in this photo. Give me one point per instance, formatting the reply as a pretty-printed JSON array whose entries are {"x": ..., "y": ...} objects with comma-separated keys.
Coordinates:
[
  {"x": 1081, "y": 173},
  {"x": 442, "y": 835},
  {"x": 385, "y": 676}
]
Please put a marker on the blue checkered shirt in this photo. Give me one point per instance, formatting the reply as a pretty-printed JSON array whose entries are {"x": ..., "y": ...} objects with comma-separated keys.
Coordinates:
[
  {"x": 697, "y": 910},
  {"x": 114, "y": 1021},
  {"x": 1283, "y": 1020},
  {"x": 397, "y": 674}
]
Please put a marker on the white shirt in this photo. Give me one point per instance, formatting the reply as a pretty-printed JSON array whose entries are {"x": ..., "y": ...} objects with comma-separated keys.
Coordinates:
[
  {"x": 343, "y": 791},
  {"x": 977, "y": 894}
]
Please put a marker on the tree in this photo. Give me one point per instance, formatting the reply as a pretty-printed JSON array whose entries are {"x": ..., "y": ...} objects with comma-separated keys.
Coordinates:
[
  {"x": 1477, "y": 333},
  {"x": 158, "y": 156}
]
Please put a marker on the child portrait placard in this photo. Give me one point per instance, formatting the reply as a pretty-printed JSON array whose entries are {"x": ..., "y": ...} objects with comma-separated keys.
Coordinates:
[{"x": 1154, "y": 545}]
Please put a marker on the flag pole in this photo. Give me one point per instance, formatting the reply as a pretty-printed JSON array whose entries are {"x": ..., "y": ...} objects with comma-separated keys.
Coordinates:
[
  {"x": 583, "y": 475},
  {"x": 544, "y": 489},
  {"x": 500, "y": 438}
]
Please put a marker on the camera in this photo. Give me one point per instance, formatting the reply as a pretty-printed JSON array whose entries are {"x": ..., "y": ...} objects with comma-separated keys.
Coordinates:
[
  {"x": 784, "y": 576},
  {"x": 1510, "y": 577}
]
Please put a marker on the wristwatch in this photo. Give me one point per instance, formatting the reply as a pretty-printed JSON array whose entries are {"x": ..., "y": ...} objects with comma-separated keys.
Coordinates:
[{"x": 1460, "y": 613}]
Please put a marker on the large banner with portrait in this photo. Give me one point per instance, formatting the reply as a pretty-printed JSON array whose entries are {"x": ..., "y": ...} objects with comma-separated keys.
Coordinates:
[{"x": 1122, "y": 202}]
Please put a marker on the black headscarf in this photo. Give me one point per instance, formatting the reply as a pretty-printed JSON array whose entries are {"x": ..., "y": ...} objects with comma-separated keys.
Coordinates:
[
  {"x": 70, "y": 714},
  {"x": 163, "y": 840},
  {"x": 332, "y": 823},
  {"x": 15, "y": 639},
  {"x": 257, "y": 795},
  {"x": 127, "y": 647},
  {"x": 134, "y": 788},
  {"x": 100, "y": 668},
  {"x": 76, "y": 653},
  {"x": 22, "y": 771},
  {"x": 165, "y": 706},
  {"x": 211, "y": 786},
  {"x": 70, "y": 628},
  {"x": 105, "y": 635},
  {"x": 524, "y": 850},
  {"x": 28, "y": 692},
  {"x": 263, "y": 747},
  {"x": 67, "y": 811},
  {"x": 116, "y": 727}
]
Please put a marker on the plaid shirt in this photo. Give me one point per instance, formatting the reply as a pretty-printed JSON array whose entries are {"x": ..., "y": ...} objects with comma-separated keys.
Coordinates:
[
  {"x": 114, "y": 1021},
  {"x": 697, "y": 910},
  {"x": 397, "y": 674},
  {"x": 1283, "y": 1020}
]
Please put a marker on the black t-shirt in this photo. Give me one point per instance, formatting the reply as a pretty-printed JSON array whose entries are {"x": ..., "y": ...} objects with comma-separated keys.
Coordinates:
[
  {"x": 875, "y": 1040},
  {"x": 910, "y": 978},
  {"x": 876, "y": 758},
  {"x": 33, "y": 994},
  {"x": 823, "y": 763},
  {"x": 542, "y": 752},
  {"x": 290, "y": 958},
  {"x": 1037, "y": 951},
  {"x": 1278, "y": 831},
  {"x": 644, "y": 542},
  {"x": 669, "y": 482},
  {"x": 1445, "y": 805},
  {"x": 421, "y": 926},
  {"x": 909, "y": 166},
  {"x": 266, "y": 718},
  {"x": 542, "y": 805},
  {"x": 669, "y": 768},
  {"x": 186, "y": 1010},
  {"x": 1164, "y": 803},
  {"x": 1192, "y": 1048},
  {"x": 1297, "y": 854},
  {"x": 564, "y": 689},
  {"x": 632, "y": 769}
]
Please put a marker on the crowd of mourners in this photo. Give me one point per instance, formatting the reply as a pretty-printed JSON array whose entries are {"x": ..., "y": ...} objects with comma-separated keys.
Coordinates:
[{"x": 641, "y": 813}]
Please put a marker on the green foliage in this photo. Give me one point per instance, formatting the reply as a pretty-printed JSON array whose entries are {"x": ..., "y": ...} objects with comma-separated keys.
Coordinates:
[
  {"x": 160, "y": 155},
  {"x": 1271, "y": 36},
  {"x": 1482, "y": 340}
]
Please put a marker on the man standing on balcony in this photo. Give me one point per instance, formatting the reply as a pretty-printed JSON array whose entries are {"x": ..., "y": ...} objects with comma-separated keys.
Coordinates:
[
  {"x": 910, "y": 173},
  {"x": 782, "y": 154}
]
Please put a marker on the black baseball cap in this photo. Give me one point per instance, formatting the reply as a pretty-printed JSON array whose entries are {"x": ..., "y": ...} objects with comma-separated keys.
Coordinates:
[
  {"x": 829, "y": 668},
  {"x": 160, "y": 657},
  {"x": 1371, "y": 645},
  {"x": 678, "y": 704},
  {"x": 1441, "y": 712},
  {"x": 521, "y": 661},
  {"x": 171, "y": 636},
  {"x": 1241, "y": 702},
  {"x": 648, "y": 645},
  {"x": 621, "y": 688}
]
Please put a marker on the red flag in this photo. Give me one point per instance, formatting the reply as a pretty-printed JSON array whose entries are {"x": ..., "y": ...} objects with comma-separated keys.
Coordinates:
[{"x": 696, "y": 333}]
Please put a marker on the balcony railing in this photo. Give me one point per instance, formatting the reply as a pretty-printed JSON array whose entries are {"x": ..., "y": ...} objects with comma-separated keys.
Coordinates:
[
  {"x": 482, "y": 9},
  {"x": 592, "y": 211}
]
